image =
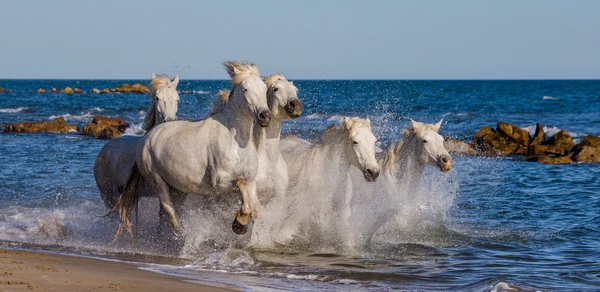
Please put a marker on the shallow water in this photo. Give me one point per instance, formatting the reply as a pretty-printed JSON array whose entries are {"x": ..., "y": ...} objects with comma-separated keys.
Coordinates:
[{"x": 488, "y": 223}]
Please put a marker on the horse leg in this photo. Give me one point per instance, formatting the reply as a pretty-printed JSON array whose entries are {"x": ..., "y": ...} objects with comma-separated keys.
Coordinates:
[
  {"x": 240, "y": 223},
  {"x": 167, "y": 209},
  {"x": 255, "y": 205}
]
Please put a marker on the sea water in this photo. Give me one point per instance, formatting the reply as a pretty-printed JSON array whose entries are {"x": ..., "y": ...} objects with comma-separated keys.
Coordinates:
[{"x": 491, "y": 224}]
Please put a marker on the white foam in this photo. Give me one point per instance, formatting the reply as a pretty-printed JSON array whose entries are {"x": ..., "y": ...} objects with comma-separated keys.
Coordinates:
[
  {"x": 13, "y": 110},
  {"x": 86, "y": 117},
  {"x": 551, "y": 131},
  {"x": 135, "y": 130},
  {"x": 546, "y": 97},
  {"x": 316, "y": 116},
  {"x": 335, "y": 118},
  {"x": 98, "y": 109}
]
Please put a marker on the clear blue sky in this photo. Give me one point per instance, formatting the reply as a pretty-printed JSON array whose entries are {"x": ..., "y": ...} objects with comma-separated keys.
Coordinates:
[{"x": 301, "y": 39}]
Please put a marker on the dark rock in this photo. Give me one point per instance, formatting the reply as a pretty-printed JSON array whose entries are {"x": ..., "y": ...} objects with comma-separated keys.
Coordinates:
[
  {"x": 105, "y": 128},
  {"x": 558, "y": 160},
  {"x": 587, "y": 154},
  {"x": 455, "y": 146},
  {"x": 5, "y": 90},
  {"x": 136, "y": 88},
  {"x": 562, "y": 140},
  {"x": 58, "y": 125},
  {"x": 513, "y": 133},
  {"x": 491, "y": 142},
  {"x": 546, "y": 150},
  {"x": 589, "y": 140},
  {"x": 539, "y": 135}
]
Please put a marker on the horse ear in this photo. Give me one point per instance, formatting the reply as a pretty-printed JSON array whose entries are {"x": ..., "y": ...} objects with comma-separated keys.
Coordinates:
[
  {"x": 415, "y": 124},
  {"x": 369, "y": 122},
  {"x": 153, "y": 76},
  {"x": 175, "y": 80},
  {"x": 231, "y": 68},
  {"x": 438, "y": 125}
]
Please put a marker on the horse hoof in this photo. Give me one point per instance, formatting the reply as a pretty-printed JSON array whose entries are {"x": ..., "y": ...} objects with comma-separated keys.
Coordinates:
[{"x": 239, "y": 228}]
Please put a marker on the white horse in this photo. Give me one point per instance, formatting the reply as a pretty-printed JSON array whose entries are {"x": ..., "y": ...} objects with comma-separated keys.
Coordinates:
[
  {"x": 208, "y": 157},
  {"x": 317, "y": 195},
  {"x": 402, "y": 167},
  {"x": 282, "y": 98},
  {"x": 117, "y": 157}
]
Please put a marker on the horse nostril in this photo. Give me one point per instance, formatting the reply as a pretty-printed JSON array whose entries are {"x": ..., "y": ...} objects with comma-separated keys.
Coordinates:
[
  {"x": 264, "y": 117},
  {"x": 445, "y": 159},
  {"x": 292, "y": 104}
]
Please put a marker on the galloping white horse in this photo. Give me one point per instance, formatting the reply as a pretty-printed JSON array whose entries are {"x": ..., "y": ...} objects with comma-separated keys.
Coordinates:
[
  {"x": 208, "y": 157},
  {"x": 402, "y": 167},
  {"x": 282, "y": 98},
  {"x": 114, "y": 162},
  {"x": 319, "y": 174}
]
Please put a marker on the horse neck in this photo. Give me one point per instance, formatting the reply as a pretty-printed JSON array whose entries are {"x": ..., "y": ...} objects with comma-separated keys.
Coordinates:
[
  {"x": 267, "y": 139},
  {"x": 237, "y": 120},
  {"x": 333, "y": 146},
  {"x": 407, "y": 165}
]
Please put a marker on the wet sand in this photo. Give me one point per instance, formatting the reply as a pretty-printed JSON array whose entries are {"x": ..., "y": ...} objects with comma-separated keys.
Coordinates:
[{"x": 37, "y": 271}]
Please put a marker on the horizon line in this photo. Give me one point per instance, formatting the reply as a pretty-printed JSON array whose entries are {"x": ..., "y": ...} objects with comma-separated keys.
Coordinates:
[{"x": 332, "y": 79}]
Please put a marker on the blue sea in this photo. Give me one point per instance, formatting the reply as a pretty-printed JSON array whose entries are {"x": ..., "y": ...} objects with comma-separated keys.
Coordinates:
[{"x": 503, "y": 224}]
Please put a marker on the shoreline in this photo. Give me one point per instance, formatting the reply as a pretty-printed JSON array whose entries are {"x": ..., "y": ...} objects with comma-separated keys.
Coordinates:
[{"x": 26, "y": 270}]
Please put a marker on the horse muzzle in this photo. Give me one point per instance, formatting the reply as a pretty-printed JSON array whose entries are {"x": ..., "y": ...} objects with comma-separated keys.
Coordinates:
[
  {"x": 264, "y": 118},
  {"x": 371, "y": 175},
  {"x": 445, "y": 163},
  {"x": 294, "y": 108}
]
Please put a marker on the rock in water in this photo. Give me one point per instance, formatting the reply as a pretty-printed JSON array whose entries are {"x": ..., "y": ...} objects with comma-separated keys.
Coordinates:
[
  {"x": 539, "y": 135},
  {"x": 58, "y": 125},
  {"x": 41, "y": 90},
  {"x": 455, "y": 146},
  {"x": 587, "y": 154},
  {"x": 562, "y": 141},
  {"x": 68, "y": 90},
  {"x": 490, "y": 142},
  {"x": 95, "y": 90},
  {"x": 105, "y": 128},
  {"x": 514, "y": 133}
]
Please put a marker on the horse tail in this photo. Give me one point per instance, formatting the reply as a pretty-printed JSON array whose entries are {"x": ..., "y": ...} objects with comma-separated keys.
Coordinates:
[{"x": 127, "y": 202}]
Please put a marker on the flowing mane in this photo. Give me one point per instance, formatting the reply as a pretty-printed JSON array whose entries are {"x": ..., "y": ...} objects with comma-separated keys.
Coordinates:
[
  {"x": 389, "y": 156},
  {"x": 240, "y": 70},
  {"x": 157, "y": 82},
  {"x": 348, "y": 126},
  {"x": 272, "y": 78},
  {"x": 219, "y": 102},
  {"x": 222, "y": 97}
]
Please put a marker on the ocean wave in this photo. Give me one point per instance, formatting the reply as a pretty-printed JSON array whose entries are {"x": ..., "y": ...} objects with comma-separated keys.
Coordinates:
[
  {"x": 551, "y": 131},
  {"x": 335, "y": 118},
  {"x": 98, "y": 109},
  {"x": 546, "y": 97},
  {"x": 135, "y": 130},
  {"x": 86, "y": 117},
  {"x": 467, "y": 114},
  {"x": 13, "y": 110},
  {"x": 316, "y": 116}
]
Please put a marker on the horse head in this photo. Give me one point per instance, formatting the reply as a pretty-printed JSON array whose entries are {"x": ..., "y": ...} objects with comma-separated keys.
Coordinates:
[
  {"x": 361, "y": 144},
  {"x": 165, "y": 100},
  {"x": 429, "y": 145},
  {"x": 249, "y": 93},
  {"x": 282, "y": 97}
]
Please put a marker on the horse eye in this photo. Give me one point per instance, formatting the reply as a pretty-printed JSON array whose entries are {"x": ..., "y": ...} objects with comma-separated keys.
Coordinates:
[
  {"x": 275, "y": 89},
  {"x": 424, "y": 141},
  {"x": 245, "y": 89},
  {"x": 354, "y": 142}
]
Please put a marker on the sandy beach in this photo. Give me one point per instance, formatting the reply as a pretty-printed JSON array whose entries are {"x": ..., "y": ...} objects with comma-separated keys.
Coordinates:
[{"x": 37, "y": 271}]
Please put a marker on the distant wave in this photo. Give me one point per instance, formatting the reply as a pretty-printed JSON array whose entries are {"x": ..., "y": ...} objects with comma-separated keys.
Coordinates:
[
  {"x": 316, "y": 116},
  {"x": 335, "y": 118},
  {"x": 13, "y": 110},
  {"x": 87, "y": 117},
  {"x": 135, "y": 130},
  {"x": 98, "y": 109},
  {"x": 467, "y": 114},
  {"x": 546, "y": 97},
  {"x": 551, "y": 131}
]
